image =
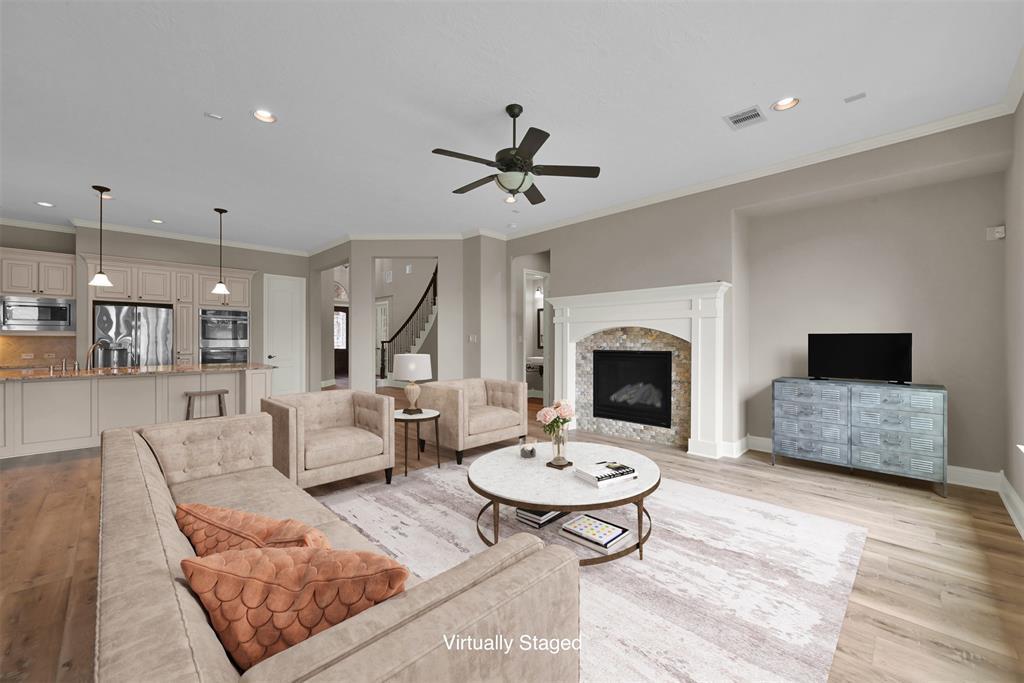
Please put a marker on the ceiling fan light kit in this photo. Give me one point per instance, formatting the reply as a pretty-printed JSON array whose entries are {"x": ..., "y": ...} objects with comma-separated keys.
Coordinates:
[{"x": 515, "y": 166}]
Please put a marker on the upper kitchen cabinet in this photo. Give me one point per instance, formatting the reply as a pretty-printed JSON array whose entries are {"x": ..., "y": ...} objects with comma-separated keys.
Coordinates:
[
  {"x": 153, "y": 285},
  {"x": 237, "y": 285},
  {"x": 37, "y": 273},
  {"x": 120, "y": 279},
  {"x": 184, "y": 287}
]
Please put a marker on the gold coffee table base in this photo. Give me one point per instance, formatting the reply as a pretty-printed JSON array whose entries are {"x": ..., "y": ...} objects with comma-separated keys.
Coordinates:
[{"x": 641, "y": 512}]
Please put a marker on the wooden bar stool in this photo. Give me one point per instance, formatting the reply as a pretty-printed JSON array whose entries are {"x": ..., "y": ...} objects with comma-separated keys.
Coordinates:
[{"x": 222, "y": 408}]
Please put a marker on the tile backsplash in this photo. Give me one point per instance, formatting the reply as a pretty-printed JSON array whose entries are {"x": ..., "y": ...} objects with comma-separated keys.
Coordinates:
[{"x": 14, "y": 347}]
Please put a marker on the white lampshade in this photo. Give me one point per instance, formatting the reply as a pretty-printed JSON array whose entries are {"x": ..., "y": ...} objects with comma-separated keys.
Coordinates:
[
  {"x": 412, "y": 366},
  {"x": 220, "y": 288},
  {"x": 100, "y": 279}
]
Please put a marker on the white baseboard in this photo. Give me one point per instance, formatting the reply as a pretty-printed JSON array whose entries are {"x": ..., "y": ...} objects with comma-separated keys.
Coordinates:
[
  {"x": 976, "y": 479},
  {"x": 759, "y": 443},
  {"x": 1014, "y": 504},
  {"x": 327, "y": 383}
]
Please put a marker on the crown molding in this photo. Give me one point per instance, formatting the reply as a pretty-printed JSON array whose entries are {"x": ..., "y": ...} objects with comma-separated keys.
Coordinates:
[
  {"x": 164, "y": 234},
  {"x": 977, "y": 116},
  {"x": 485, "y": 233},
  {"x": 14, "y": 223}
]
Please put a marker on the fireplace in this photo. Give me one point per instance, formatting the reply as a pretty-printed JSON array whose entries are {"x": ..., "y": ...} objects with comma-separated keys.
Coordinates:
[{"x": 634, "y": 386}]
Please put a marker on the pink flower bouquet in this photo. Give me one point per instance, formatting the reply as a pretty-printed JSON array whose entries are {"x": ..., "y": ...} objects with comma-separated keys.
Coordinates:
[{"x": 554, "y": 417}]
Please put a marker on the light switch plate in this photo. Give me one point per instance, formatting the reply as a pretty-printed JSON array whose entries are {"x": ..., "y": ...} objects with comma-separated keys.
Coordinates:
[
  {"x": 996, "y": 233},
  {"x": 473, "y": 339}
]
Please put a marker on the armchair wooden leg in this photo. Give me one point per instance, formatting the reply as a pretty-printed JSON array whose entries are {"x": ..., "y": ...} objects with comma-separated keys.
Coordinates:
[
  {"x": 458, "y": 457},
  {"x": 387, "y": 474}
]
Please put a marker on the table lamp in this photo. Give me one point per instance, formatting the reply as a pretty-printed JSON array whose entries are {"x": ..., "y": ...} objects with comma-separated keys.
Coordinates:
[{"x": 412, "y": 367}]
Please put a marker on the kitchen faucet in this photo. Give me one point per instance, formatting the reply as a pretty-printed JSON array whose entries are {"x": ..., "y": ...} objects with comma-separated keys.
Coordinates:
[{"x": 99, "y": 343}]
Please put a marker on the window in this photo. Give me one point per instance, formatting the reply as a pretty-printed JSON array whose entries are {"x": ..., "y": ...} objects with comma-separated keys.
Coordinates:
[{"x": 341, "y": 330}]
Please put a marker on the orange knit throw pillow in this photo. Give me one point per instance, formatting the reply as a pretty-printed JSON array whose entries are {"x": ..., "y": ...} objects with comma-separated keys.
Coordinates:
[
  {"x": 264, "y": 600},
  {"x": 213, "y": 530}
]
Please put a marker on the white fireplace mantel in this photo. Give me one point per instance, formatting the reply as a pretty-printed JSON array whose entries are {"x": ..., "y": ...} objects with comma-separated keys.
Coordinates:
[{"x": 692, "y": 312}]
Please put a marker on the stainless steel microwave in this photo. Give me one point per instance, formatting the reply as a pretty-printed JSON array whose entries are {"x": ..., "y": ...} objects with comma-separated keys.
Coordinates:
[{"x": 31, "y": 314}]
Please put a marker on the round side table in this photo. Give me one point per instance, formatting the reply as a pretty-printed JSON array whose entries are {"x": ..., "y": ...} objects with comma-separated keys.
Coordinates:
[{"x": 426, "y": 416}]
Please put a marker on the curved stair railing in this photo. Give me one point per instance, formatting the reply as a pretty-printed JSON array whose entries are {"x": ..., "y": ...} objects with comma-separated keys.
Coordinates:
[{"x": 403, "y": 340}]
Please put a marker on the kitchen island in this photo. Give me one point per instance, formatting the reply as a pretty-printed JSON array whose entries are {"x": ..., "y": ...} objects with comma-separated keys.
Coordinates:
[{"x": 44, "y": 411}]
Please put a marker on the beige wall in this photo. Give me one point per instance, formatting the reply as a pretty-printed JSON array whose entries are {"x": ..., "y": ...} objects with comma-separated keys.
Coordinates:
[
  {"x": 1015, "y": 305},
  {"x": 697, "y": 238},
  {"x": 40, "y": 240},
  {"x": 911, "y": 261}
]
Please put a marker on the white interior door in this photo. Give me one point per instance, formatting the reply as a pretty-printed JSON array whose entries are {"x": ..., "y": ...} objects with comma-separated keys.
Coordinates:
[{"x": 284, "y": 331}]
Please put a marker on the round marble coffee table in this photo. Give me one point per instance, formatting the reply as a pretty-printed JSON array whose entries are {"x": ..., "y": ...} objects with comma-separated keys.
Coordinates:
[{"x": 504, "y": 478}]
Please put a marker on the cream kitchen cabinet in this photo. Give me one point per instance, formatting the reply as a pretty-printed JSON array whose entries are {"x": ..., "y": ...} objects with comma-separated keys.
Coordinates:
[
  {"x": 238, "y": 286},
  {"x": 134, "y": 283},
  {"x": 184, "y": 330},
  {"x": 153, "y": 285},
  {"x": 184, "y": 287},
  {"x": 38, "y": 273}
]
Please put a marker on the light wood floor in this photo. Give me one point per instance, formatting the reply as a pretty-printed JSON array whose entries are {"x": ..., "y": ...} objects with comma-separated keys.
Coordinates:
[{"x": 939, "y": 594}]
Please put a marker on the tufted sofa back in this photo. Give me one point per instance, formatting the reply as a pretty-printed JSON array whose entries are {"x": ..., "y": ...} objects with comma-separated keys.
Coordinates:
[
  {"x": 322, "y": 409},
  {"x": 205, "y": 448}
]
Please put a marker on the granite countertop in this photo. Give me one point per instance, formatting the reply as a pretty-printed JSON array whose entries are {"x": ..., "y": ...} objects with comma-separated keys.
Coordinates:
[{"x": 44, "y": 374}]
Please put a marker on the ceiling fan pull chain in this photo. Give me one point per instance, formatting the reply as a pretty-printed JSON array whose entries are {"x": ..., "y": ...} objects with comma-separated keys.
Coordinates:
[{"x": 513, "y": 133}]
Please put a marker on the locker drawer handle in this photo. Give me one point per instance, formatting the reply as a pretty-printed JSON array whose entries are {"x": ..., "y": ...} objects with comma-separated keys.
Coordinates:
[
  {"x": 897, "y": 400},
  {"x": 889, "y": 441},
  {"x": 893, "y": 421}
]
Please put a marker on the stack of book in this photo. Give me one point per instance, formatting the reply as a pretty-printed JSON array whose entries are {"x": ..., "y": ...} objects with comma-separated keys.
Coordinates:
[
  {"x": 537, "y": 518},
  {"x": 602, "y": 474},
  {"x": 597, "y": 534}
]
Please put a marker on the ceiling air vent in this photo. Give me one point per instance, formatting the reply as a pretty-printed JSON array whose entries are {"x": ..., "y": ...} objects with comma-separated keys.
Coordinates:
[{"x": 743, "y": 119}]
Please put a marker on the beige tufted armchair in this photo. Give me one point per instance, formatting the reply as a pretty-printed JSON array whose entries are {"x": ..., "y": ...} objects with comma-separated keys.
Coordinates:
[
  {"x": 327, "y": 436},
  {"x": 475, "y": 412}
]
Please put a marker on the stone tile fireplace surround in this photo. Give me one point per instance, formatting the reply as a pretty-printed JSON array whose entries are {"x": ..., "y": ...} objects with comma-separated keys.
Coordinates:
[
  {"x": 694, "y": 313},
  {"x": 634, "y": 339}
]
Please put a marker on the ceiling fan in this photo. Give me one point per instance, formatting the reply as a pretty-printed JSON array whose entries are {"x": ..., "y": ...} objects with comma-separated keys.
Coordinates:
[{"x": 515, "y": 164}]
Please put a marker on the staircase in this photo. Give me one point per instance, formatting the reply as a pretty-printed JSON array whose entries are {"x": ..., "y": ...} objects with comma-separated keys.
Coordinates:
[{"x": 410, "y": 336}]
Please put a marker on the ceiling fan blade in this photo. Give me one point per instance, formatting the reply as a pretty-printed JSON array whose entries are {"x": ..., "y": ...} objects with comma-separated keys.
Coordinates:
[
  {"x": 530, "y": 143},
  {"x": 466, "y": 157},
  {"x": 475, "y": 184},
  {"x": 571, "y": 171},
  {"x": 534, "y": 195}
]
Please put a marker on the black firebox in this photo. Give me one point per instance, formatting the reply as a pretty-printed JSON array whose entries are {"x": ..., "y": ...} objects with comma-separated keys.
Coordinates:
[{"x": 634, "y": 386}]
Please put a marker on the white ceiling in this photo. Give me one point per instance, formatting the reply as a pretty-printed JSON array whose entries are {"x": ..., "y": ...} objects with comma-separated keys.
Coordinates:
[{"x": 114, "y": 93}]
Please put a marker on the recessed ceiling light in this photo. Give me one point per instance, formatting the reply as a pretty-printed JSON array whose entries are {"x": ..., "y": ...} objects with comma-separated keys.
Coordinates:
[
  {"x": 211, "y": 115},
  {"x": 854, "y": 98},
  {"x": 264, "y": 116},
  {"x": 48, "y": 205},
  {"x": 155, "y": 220},
  {"x": 786, "y": 103}
]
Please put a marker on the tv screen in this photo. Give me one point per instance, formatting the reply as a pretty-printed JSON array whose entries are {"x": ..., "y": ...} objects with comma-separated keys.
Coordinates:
[{"x": 883, "y": 357}]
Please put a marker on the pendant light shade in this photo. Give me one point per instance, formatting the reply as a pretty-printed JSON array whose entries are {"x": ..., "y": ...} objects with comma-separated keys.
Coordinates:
[
  {"x": 220, "y": 287},
  {"x": 100, "y": 279}
]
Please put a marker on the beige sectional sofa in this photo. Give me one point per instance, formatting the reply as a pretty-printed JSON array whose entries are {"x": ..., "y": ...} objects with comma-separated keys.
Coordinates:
[
  {"x": 326, "y": 436},
  {"x": 476, "y": 412},
  {"x": 150, "y": 627}
]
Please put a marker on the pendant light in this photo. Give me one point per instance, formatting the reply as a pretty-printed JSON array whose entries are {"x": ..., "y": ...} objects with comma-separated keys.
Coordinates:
[
  {"x": 100, "y": 279},
  {"x": 220, "y": 287}
]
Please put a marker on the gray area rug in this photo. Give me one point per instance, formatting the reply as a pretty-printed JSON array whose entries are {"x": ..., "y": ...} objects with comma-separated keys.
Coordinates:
[{"x": 730, "y": 589}]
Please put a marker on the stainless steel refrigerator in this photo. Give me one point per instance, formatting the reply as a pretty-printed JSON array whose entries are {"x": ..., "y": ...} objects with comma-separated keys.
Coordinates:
[{"x": 135, "y": 335}]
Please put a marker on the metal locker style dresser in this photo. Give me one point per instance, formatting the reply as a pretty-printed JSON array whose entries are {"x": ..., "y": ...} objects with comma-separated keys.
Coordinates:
[{"x": 893, "y": 428}]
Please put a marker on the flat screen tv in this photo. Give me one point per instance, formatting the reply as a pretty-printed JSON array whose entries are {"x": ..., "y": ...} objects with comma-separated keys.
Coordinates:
[{"x": 882, "y": 357}]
